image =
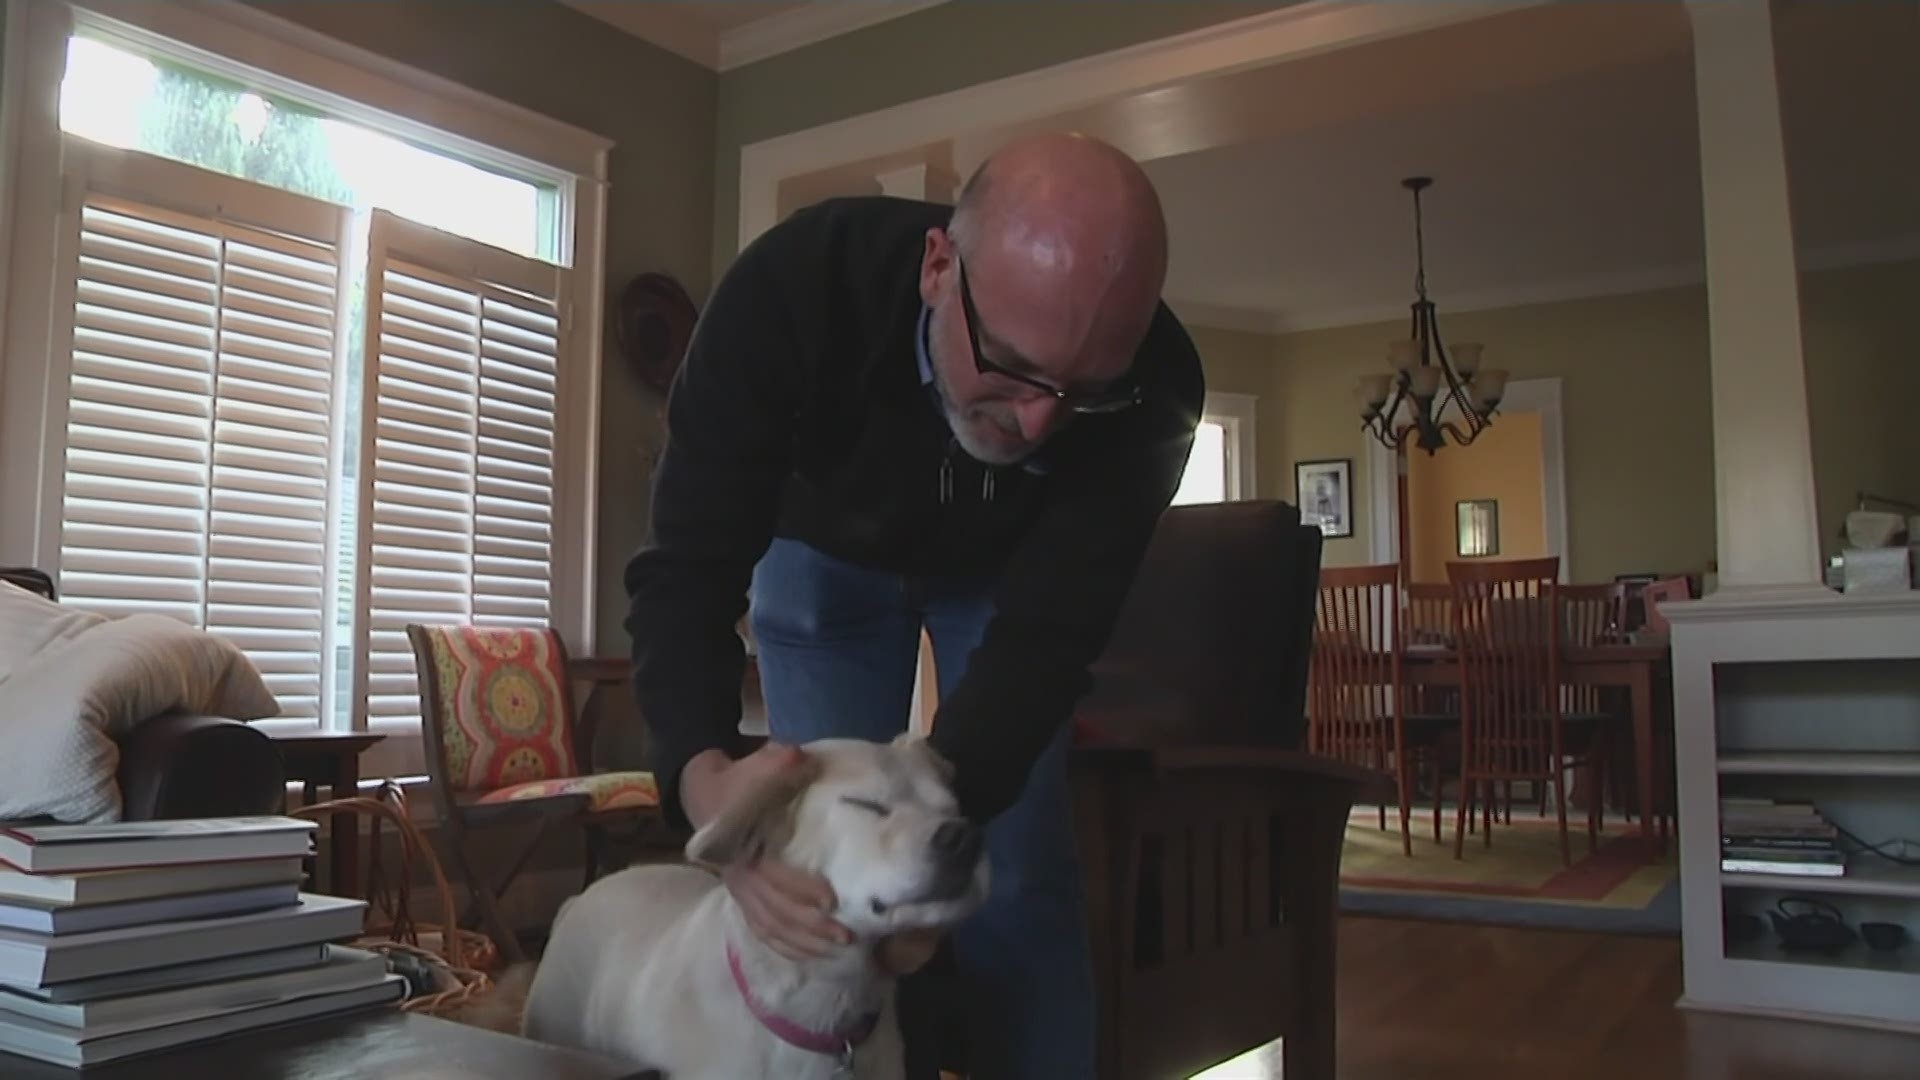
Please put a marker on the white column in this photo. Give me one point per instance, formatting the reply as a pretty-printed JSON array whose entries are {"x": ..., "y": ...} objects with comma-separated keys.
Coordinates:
[
  {"x": 1763, "y": 457},
  {"x": 923, "y": 180}
]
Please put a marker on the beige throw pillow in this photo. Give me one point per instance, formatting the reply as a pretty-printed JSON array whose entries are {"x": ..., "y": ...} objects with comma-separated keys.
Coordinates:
[{"x": 73, "y": 683}]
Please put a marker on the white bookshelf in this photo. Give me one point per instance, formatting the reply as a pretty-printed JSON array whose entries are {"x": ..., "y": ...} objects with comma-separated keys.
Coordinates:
[{"x": 1811, "y": 696}]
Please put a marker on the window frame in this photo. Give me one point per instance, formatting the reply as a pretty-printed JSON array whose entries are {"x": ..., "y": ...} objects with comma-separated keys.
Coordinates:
[
  {"x": 236, "y": 40},
  {"x": 1236, "y": 415}
]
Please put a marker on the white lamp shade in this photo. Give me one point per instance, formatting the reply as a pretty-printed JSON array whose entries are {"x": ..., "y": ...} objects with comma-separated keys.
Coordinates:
[
  {"x": 1466, "y": 357},
  {"x": 1425, "y": 382}
]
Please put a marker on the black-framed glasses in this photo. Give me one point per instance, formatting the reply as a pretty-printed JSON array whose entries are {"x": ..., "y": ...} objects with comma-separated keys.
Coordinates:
[{"x": 1122, "y": 395}]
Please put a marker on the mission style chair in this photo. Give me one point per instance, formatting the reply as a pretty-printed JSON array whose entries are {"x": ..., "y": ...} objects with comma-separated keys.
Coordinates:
[{"x": 1209, "y": 838}]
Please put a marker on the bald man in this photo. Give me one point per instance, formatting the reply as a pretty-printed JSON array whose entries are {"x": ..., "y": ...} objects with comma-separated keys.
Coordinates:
[{"x": 897, "y": 416}]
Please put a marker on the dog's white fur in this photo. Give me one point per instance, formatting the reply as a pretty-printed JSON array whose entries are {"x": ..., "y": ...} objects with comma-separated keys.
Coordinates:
[{"x": 636, "y": 968}]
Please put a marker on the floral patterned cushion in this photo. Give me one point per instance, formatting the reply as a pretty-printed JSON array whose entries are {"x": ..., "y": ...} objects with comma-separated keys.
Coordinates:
[
  {"x": 604, "y": 791},
  {"x": 502, "y": 706}
]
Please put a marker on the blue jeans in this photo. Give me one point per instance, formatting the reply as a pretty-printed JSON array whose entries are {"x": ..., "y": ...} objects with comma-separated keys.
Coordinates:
[{"x": 838, "y": 647}]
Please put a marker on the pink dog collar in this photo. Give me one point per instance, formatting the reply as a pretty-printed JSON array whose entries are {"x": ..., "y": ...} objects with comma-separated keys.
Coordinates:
[{"x": 838, "y": 1044}]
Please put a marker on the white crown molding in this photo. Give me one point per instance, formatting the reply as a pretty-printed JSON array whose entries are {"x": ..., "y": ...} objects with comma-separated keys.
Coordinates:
[
  {"x": 1302, "y": 29},
  {"x": 665, "y": 25},
  {"x": 679, "y": 31},
  {"x": 1835, "y": 257},
  {"x": 807, "y": 25}
]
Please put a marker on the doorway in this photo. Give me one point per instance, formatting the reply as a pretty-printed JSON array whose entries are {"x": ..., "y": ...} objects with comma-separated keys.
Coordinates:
[{"x": 1498, "y": 462}]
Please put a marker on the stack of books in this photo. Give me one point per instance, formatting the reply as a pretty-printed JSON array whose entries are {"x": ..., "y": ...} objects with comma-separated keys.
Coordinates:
[
  {"x": 126, "y": 939},
  {"x": 1769, "y": 836}
]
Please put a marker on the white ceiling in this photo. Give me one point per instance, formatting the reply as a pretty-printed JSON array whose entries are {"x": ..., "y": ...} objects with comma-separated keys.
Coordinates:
[
  {"x": 723, "y": 34},
  {"x": 1562, "y": 141},
  {"x": 1580, "y": 184}
]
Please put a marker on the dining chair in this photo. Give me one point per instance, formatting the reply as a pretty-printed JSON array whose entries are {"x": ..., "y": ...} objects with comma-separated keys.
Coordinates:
[
  {"x": 1354, "y": 685},
  {"x": 1595, "y": 615},
  {"x": 1514, "y": 725},
  {"x": 504, "y": 747},
  {"x": 1432, "y": 712}
]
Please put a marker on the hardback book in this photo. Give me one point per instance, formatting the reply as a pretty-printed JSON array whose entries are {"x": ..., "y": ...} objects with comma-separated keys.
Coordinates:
[
  {"x": 86, "y": 887},
  {"x": 70, "y": 919},
  {"x": 1782, "y": 867},
  {"x": 174, "y": 976},
  {"x": 32, "y": 960},
  {"x": 75, "y": 1050},
  {"x": 52, "y": 848},
  {"x": 343, "y": 969}
]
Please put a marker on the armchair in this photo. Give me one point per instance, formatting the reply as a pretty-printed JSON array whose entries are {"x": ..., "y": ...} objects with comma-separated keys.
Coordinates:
[{"x": 1210, "y": 841}]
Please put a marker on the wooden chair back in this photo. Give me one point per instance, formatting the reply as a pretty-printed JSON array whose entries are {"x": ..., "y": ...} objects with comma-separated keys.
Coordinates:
[
  {"x": 1595, "y": 614},
  {"x": 1429, "y": 615},
  {"x": 1355, "y": 672},
  {"x": 1507, "y": 625}
]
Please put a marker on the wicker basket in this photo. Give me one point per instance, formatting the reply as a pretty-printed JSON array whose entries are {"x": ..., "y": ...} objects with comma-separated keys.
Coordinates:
[{"x": 458, "y": 961}]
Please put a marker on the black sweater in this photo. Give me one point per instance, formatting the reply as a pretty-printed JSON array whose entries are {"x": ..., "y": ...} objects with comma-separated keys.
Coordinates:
[{"x": 800, "y": 412}]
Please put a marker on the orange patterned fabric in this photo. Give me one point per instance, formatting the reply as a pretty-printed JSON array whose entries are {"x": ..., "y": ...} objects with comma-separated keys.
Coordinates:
[
  {"x": 604, "y": 791},
  {"x": 502, "y": 706}
]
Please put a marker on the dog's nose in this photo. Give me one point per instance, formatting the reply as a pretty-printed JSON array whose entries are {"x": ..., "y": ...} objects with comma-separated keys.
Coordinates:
[{"x": 957, "y": 841}]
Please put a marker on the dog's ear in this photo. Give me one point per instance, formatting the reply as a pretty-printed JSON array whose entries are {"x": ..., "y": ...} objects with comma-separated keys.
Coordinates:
[
  {"x": 934, "y": 758},
  {"x": 757, "y": 820}
]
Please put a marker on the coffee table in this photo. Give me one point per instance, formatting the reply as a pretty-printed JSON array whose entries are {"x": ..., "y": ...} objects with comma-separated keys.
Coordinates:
[{"x": 381, "y": 1044}]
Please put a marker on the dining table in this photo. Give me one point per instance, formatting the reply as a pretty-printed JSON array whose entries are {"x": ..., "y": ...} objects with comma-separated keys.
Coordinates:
[{"x": 1637, "y": 667}]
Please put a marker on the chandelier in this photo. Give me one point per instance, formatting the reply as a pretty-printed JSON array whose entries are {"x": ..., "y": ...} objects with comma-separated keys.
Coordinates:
[{"x": 1433, "y": 391}]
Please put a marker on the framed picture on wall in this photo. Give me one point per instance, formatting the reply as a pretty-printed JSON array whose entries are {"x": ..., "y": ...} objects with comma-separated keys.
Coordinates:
[
  {"x": 1478, "y": 522},
  {"x": 1324, "y": 492}
]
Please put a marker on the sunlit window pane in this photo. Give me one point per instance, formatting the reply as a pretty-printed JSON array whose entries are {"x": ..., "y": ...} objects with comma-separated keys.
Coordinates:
[
  {"x": 117, "y": 97},
  {"x": 1205, "y": 480}
]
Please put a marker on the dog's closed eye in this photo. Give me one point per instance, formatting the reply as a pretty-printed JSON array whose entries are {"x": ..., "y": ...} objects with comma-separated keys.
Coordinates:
[{"x": 865, "y": 804}]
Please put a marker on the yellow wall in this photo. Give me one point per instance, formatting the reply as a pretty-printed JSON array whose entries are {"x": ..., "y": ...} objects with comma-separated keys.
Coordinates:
[{"x": 1503, "y": 464}]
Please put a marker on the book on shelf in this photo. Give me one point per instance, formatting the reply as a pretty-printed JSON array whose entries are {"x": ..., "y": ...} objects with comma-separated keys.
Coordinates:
[
  {"x": 1767, "y": 836},
  {"x": 125, "y": 939},
  {"x": 41, "y": 848},
  {"x": 76, "y": 1048},
  {"x": 88, "y": 887},
  {"x": 31, "y": 960}
]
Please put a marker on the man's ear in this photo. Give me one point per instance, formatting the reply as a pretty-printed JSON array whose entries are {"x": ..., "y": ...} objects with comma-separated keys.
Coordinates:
[
  {"x": 919, "y": 745},
  {"x": 755, "y": 821}
]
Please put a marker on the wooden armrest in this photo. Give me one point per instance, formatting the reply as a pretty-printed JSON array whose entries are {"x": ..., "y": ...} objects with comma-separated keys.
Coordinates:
[{"x": 1161, "y": 759}]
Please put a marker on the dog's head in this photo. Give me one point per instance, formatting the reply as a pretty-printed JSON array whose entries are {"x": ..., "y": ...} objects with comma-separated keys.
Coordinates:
[{"x": 878, "y": 820}]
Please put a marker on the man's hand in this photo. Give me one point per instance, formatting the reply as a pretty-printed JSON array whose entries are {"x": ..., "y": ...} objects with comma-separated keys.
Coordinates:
[{"x": 787, "y": 908}]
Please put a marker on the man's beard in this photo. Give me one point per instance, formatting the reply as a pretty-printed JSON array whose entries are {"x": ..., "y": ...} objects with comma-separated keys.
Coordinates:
[{"x": 965, "y": 425}]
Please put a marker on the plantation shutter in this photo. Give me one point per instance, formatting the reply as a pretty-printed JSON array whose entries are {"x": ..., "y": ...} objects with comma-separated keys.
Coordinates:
[
  {"x": 466, "y": 341},
  {"x": 198, "y": 427}
]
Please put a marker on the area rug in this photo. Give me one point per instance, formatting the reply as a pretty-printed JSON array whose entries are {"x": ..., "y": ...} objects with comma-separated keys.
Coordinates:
[{"x": 1626, "y": 886}]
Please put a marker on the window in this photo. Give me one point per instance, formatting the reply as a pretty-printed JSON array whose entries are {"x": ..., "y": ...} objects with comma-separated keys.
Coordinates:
[
  {"x": 308, "y": 365},
  {"x": 1221, "y": 465}
]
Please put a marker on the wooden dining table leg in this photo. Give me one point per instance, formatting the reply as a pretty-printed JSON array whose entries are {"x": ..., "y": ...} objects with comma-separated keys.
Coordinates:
[{"x": 1640, "y": 688}]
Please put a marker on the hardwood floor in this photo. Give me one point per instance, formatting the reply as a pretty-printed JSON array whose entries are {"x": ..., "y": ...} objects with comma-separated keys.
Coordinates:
[{"x": 1438, "y": 1001}]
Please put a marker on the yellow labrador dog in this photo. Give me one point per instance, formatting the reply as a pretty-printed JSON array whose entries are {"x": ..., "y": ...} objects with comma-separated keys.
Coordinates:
[{"x": 655, "y": 965}]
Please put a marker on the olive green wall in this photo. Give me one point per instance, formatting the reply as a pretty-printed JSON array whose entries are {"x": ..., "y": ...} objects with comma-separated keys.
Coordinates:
[
  {"x": 657, "y": 108},
  {"x": 1636, "y": 401},
  {"x": 943, "y": 48},
  {"x": 1863, "y": 384},
  {"x": 1243, "y": 363}
]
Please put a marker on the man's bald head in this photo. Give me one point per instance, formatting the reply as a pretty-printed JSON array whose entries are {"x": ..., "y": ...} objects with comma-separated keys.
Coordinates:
[
  {"x": 1063, "y": 246},
  {"x": 1070, "y": 204}
]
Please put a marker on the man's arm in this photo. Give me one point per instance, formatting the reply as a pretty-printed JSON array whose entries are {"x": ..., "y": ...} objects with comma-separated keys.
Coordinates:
[
  {"x": 1061, "y": 595},
  {"x": 715, "y": 499}
]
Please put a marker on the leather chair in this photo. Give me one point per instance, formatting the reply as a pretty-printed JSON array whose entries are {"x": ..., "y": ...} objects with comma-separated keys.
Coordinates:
[
  {"x": 182, "y": 766},
  {"x": 1210, "y": 841}
]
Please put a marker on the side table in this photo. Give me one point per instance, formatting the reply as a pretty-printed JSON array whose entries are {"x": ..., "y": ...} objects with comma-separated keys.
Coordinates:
[{"x": 331, "y": 759}]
